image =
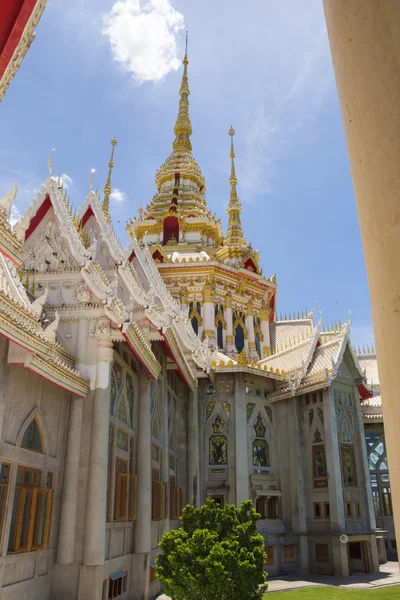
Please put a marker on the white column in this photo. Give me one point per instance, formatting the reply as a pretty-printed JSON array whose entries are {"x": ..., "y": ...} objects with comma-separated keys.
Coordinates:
[
  {"x": 364, "y": 39},
  {"x": 252, "y": 352},
  {"x": 143, "y": 514},
  {"x": 299, "y": 523},
  {"x": 242, "y": 463},
  {"x": 69, "y": 500},
  {"x": 165, "y": 446},
  {"x": 366, "y": 481},
  {"x": 264, "y": 323},
  {"x": 209, "y": 315},
  {"x": 184, "y": 301},
  {"x": 230, "y": 344},
  {"x": 96, "y": 501},
  {"x": 193, "y": 449},
  {"x": 335, "y": 486}
]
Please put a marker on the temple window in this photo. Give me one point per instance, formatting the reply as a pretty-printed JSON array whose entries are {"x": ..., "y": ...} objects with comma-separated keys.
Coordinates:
[
  {"x": 261, "y": 457},
  {"x": 220, "y": 324},
  {"x": 32, "y": 509},
  {"x": 195, "y": 316},
  {"x": 239, "y": 338},
  {"x": 218, "y": 453},
  {"x": 122, "y": 480},
  {"x": 378, "y": 467},
  {"x": 117, "y": 585},
  {"x": 320, "y": 476},
  {"x": 125, "y": 492},
  {"x": 32, "y": 439},
  {"x": 349, "y": 470},
  {"x": 177, "y": 178},
  {"x": 269, "y": 507},
  {"x": 239, "y": 330}
]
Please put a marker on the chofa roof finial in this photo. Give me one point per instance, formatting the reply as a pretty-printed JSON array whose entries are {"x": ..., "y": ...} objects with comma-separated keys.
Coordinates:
[
  {"x": 50, "y": 162},
  {"x": 107, "y": 187}
]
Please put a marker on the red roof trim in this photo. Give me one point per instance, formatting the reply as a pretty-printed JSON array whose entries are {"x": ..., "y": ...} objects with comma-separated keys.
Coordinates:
[
  {"x": 14, "y": 24},
  {"x": 40, "y": 214},
  {"x": 89, "y": 213}
]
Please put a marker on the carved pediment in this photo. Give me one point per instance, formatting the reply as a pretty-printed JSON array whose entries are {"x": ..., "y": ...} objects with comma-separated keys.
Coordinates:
[{"x": 48, "y": 251}]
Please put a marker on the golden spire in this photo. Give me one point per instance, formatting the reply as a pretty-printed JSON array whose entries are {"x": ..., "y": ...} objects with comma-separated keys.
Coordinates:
[
  {"x": 183, "y": 126},
  {"x": 235, "y": 233},
  {"x": 107, "y": 187}
]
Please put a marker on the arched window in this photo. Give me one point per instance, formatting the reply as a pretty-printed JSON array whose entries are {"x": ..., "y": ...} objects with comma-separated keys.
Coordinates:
[
  {"x": 195, "y": 316},
  {"x": 239, "y": 329},
  {"x": 220, "y": 324},
  {"x": 239, "y": 338},
  {"x": 260, "y": 445},
  {"x": 217, "y": 444},
  {"x": 32, "y": 439}
]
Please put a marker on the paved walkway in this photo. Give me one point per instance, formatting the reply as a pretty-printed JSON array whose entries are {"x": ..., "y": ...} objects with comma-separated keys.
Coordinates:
[{"x": 389, "y": 575}]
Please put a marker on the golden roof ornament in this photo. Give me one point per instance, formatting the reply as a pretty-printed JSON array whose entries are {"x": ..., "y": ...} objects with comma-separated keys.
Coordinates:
[
  {"x": 234, "y": 235},
  {"x": 183, "y": 126},
  {"x": 107, "y": 187}
]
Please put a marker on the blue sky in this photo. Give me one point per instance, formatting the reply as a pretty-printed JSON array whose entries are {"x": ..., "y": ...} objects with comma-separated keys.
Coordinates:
[{"x": 100, "y": 68}]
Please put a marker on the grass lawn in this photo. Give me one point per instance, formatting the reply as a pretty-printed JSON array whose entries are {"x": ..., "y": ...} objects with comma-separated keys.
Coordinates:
[{"x": 325, "y": 593}]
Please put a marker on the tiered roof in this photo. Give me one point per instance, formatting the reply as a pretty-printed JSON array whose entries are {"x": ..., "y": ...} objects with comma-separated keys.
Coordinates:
[
  {"x": 20, "y": 320},
  {"x": 372, "y": 407}
]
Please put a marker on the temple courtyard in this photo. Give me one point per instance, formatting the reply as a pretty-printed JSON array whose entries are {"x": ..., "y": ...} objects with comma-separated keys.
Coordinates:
[{"x": 365, "y": 586}]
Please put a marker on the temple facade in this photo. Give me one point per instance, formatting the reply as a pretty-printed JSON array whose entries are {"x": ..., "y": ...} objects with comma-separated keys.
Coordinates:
[{"x": 136, "y": 379}]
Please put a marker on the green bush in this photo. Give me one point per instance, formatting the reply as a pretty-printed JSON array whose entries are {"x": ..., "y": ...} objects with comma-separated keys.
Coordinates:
[{"x": 216, "y": 554}]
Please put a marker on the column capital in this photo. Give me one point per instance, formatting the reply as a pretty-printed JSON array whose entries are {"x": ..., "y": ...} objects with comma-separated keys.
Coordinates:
[
  {"x": 228, "y": 302},
  {"x": 265, "y": 314},
  {"x": 208, "y": 296},
  {"x": 105, "y": 350}
]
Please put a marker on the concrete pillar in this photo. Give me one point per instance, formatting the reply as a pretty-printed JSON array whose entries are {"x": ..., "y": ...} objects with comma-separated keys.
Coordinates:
[
  {"x": 335, "y": 487},
  {"x": 333, "y": 464},
  {"x": 264, "y": 323},
  {"x": 184, "y": 301},
  {"x": 252, "y": 352},
  {"x": 91, "y": 578},
  {"x": 230, "y": 343},
  {"x": 296, "y": 453},
  {"x": 165, "y": 447},
  {"x": 193, "y": 449},
  {"x": 209, "y": 315},
  {"x": 242, "y": 462},
  {"x": 141, "y": 558},
  {"x": 365, "y": 476},
  {"x": 365, "y": 44},
  {"x": 69, "y": 500},
  {"x": 143, "y": 519}
]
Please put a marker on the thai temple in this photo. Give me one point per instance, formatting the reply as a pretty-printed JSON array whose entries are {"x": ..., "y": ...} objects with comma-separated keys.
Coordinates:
[{"x": 138, "y": 378}]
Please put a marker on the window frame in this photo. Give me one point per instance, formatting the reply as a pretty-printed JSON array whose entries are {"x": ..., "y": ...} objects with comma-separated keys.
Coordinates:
[
  {"x": 5, "y": 486},
  {"x": 319, "y": 481},
  {"x": 34, "y": 514}
]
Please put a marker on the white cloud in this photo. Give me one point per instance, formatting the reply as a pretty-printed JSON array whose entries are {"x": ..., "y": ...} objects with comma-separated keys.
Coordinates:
[
  {"x": 15, "y": 215},
  {"x": 117, "y": 195},
  {"x": 66, "y": 180},
  {"x": 143, "y": 37}
]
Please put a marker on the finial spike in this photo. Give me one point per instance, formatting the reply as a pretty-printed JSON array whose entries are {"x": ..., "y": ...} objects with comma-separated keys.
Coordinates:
[
  {"x": 91, "y": 179},
  {"x": 50, "y": 162},
  {"x": 107, "y": 187}
]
